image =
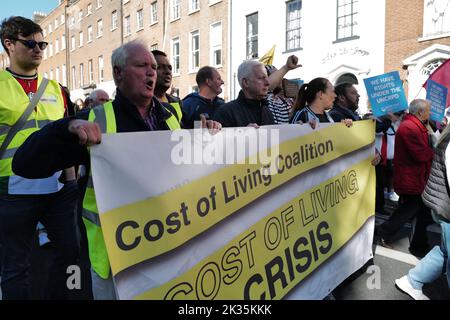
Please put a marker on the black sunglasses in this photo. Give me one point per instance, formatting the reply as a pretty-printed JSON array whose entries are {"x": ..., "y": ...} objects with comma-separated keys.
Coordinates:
[{"x": 32, "y": 43}]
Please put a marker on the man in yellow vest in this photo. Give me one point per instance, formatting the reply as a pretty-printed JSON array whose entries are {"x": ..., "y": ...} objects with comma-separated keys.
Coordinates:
[
  {"x": 164, "y": 83},
  {"x": 65, "y": 142},
  {"x": 24, "y": 202}
]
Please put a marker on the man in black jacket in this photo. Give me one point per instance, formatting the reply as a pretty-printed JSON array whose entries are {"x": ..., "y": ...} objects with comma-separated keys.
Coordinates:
[
  {"x": 250, "y": 108},
  {"x": 346, "y": 103}
]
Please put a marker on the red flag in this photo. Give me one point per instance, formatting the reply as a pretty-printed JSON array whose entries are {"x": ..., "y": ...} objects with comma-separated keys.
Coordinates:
[{"x": 442, "y": 76}]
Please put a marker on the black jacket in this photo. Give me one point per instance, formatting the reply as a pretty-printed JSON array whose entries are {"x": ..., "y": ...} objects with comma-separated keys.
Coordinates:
[
  {"x": 339, "y": 113},
  {"x": 242, "y": 111},
  {"x": 54, "y": 148}
]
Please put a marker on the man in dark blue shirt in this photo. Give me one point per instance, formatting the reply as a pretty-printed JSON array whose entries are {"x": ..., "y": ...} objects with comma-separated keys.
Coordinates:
[{"x": 207, "y": 100}]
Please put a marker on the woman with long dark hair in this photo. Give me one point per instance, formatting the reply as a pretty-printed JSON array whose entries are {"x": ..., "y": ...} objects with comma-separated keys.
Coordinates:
[{"x": 313, "y": 100}]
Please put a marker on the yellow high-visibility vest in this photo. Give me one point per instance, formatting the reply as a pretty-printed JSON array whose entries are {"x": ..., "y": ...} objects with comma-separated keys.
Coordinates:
[
  {"x": 105, "y": 117},
  {"x": 13, "y": 102}
]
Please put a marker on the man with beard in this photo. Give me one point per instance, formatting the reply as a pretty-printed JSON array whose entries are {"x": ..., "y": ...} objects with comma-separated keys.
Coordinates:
[{"x": 346, "y": 103}]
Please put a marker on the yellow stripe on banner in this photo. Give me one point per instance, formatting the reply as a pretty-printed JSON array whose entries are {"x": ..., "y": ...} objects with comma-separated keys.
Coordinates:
[
  {"x": 148, "y": 228},
  {"x": 278, "y": 252}
]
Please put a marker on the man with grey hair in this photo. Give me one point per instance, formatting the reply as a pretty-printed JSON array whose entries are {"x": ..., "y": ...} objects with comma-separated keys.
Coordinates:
[
  {"x": 134, "y": 109},
  {"x": 412, "y": 162},
  {"x": 97, "y": 97},
  {"x": 250, "y": 108}
]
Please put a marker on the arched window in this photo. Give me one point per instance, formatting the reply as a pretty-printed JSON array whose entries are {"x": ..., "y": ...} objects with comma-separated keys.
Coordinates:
[{"x": 431, "y": 66}]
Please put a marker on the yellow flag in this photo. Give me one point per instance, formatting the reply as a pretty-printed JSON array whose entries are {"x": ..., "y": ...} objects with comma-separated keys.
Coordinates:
[{"x": 267, "y": 59}]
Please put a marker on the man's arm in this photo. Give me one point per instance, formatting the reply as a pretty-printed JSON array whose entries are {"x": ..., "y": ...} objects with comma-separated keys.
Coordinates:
[
  {"x": 277, "y": 76},
  {"x": 59, "y": 145}
]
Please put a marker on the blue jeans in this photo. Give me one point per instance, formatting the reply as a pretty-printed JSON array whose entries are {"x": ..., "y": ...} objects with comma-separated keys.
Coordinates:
[
  {"x": 19, "y": 216},
  {"x": 435, "y": 263}
]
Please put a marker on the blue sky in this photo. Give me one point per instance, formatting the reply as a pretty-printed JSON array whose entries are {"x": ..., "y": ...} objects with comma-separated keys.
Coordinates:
[{"x": 25, "y": 7}]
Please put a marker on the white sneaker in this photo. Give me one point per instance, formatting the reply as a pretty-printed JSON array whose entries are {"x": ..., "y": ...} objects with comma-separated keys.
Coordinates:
[
  {"x": 404, "y": 285},
  {"x": 393, "y": 196}
]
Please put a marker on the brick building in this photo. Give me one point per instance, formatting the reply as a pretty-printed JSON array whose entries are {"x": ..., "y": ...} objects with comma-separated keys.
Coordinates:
[
  {"x": 417, "y": 40},
  {"x": 83, "y": 33}
]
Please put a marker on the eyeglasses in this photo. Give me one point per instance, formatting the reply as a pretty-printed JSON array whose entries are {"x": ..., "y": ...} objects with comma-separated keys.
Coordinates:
[{"x": 32, "y": 43}]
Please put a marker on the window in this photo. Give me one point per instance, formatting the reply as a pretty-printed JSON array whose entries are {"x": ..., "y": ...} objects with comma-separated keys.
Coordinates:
[
  {"x": 89, "y": 9},
  {"x": 431, "y": 66},
  {"x": 252, "y": 36},
  {"x": 211, "y": 2},
  {"x": 154, "y": 47},
  {"x": 57, "y": 74},
  {"x": 72, "y": 43},
  {"x": 74, "y": 78},
  {"x": 81, "y": 75},
  {"x": 99, "y": 3},
  {"x": 215, "y": 40},
  {"x": 50, "y": 49},
  {"x": 81, "y": 38},
  {"x": 99, "y": 28},
  {"x": 114, "y": 20},
  {"x": 45, "y": 53},
  {"x": 194, "y": 47},
  {"x": 51, "y": 74},
  {"x": 80, "y": 15},
  {"x": 100, "y": 69},
  {"x": 91, "y": 71},
  {"x": 194, "y": 5},
  {"x": 63, "y": 42},
  {"x": 346, "y": 24},
  {"x": 72, "y": 21},
  {"x": 127, "y": 26},
  {"x": 56, "y": 45},
  {"x": 56, "y": 23},
  {"x": 140, "y": 19},
  {"x": 50, "y": 28},
  {"x": 154, "y": 12},
  {"x": 176, "y": 55},
  {"x": 63, "y": 18},
  {"x": 90, "y": 34},
  {"x": 436, "y": 18},
  {"x": 64, "y": 75},
  {"x": 175, "y": 9},
  {"x": 293, "y": 9},
  {"x": 44, "y": 32}
]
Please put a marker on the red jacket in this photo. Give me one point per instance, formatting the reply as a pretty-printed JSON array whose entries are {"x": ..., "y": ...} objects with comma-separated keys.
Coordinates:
[{"x": 412, "y": 157}]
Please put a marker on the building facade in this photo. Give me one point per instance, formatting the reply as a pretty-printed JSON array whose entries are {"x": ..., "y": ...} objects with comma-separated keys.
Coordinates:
[
  {"x": 417, "y": 40},
  {"x": 332, "y": 38},
  {"x": 83, "y": 33}
]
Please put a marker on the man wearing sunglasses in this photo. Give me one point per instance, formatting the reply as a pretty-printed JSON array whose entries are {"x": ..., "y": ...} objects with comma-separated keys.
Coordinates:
[{"x": 24, "y": 202}]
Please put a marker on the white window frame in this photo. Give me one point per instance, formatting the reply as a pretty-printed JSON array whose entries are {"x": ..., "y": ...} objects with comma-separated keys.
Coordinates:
[
  {"x": 80, "y": 39},
  {"x": 193, "y": 9},
  {"x": 127, "y": 26},
  {"x": 89, "y": 9},
  {"x": 114, "y": 20},
  {"x": 64, "y": 75},
  {"x": 80, "y": 15},
  {"x": 91, "y": 71},
  {"x": 139, "y": 20},
  {"x": 153, "y": 12},
  {"x": 213, "y": 49},
  {"x": 175, "y": 56},
  {"x": 99, "y": 4},
  {"x": 101, "y": 69},
  {"x": 99, "y": 28},
  {"x": 63, "y": 42},
  {"x": 90, "y": 34},
  {"x": 73, "y": 43},
  {"x": 175, "y": 10},
  {"x": 57, "y": 74},
  {"x": 194, "y": 53},
  {"x": 81, "y": 69},
  {"x": 56, "y": 45},
  {"x": 74, "y": 77}
]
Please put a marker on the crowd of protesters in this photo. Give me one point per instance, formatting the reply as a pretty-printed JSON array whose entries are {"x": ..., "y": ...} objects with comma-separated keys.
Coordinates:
[{"x": 46, "y": 182}]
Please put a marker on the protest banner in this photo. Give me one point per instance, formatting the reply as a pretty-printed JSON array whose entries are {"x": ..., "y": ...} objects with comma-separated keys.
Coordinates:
[
  {"x": 437, "y": 94},
  {"x": 180, "y": 226},
  {"x": 386, "y": 93}
]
